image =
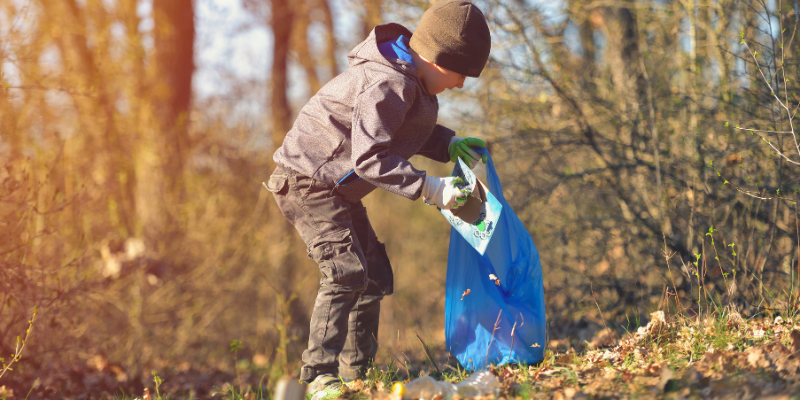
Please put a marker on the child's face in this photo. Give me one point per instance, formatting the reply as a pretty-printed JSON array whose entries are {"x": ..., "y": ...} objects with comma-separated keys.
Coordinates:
[{"x": 438, "y": 79}]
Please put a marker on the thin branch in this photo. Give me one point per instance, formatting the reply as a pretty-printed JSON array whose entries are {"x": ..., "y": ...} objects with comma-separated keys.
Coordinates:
[
  {"x": 492, "y": 339},
  {"x": 20, "y": 345},
  {"x": 756, "y": 195},
  {"x": 772, "y": 91},
  {"x": 763, "y": 131},
  {"x": 428, "y": 354},
  {"x": 591, "y": 287},
  {"x": 405, "y": 366}
]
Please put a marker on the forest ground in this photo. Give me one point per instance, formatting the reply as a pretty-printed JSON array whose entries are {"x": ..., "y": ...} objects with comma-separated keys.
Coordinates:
[{"x": 720, "y": 355}]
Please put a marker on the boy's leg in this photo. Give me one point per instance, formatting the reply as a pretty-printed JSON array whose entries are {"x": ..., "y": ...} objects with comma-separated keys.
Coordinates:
[
  {"x": 361, "y": 344},
  {"x": 324, "y": 222}
]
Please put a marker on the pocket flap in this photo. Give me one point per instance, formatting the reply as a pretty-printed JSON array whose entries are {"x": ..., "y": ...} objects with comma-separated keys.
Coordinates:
[{"x": 276, "y": 183}]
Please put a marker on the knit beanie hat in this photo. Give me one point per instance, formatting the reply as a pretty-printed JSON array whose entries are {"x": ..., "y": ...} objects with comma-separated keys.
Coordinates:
[{"x": 453, "y": 34}]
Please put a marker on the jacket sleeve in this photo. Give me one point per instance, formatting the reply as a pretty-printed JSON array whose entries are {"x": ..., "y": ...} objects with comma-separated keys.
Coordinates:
[
  {"x": 437, "y": 147},
  {"x": 379, "y": 112}
]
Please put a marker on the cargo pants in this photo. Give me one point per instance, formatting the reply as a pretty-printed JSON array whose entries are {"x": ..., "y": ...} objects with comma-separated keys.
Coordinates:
[{"x": 356, "y": 274}]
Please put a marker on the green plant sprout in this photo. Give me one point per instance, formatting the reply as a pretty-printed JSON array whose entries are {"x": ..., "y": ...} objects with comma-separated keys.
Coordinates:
[
  {"x": 17, "y": 356},
  {"x": 157, "y": 381},
  {"x": 234, "y": 348}
]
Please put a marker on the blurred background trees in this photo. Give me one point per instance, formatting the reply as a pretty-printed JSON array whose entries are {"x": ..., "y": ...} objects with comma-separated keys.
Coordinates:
[{"x": 132, "y": 211}]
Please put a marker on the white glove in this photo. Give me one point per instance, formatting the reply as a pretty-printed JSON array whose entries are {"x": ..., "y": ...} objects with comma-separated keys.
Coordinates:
[{"x": 443, "y": 192}]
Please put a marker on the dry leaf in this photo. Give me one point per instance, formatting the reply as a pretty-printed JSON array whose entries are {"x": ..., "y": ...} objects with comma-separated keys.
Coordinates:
[
  {"x": 466, "y": 292},
  {"x": 119, "y": 373},
  {"x": 356, "y": 385},
  {"x": 260, "y": 360},
  {"x": 754, "y": 356},
  {"x": 98, "y": 362},
  {"x": 6, "y": 392},
  {"x": 146, "y": 395},
  {"x": 795, "y": 335},
  {"x": 536, "y": 345}
]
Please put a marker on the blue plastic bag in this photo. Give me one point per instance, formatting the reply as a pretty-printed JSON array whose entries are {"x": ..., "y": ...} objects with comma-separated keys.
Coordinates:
[
  {"x": 487, "y": 295},
  {"x": 478, "y": 233}
]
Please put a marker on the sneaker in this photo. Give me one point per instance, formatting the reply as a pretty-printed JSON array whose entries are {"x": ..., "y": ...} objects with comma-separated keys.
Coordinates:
[{"x": 324, "y": 387}]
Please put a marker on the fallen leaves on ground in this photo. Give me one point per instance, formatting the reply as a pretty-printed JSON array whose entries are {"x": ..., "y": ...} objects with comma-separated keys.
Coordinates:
[
  {"x": 675, "y": 357},
  {"x": 724, "y": 357}
]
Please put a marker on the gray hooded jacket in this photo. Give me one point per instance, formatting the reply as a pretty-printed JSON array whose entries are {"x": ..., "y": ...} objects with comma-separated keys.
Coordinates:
[{"x": 370, "y": 119}]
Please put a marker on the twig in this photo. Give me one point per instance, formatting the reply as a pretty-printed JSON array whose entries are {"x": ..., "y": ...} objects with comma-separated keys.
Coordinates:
[
  {"x": 781, "y": 103},
  {"x": 408, "y": 361},
  {"x": 667, "y": 257},
  {"x": 797, "y": 226},
  {"x": 492, "y": 339},
  {"x": 601, "y": 311},
  {"x": 20, "y": 345},
  {"x": 757, "y": 195},
  {"x": 393, "y": 357},
  {"x": 513, "y": 329},
  {"x": 428, "y": 354},
  {"x": 761, "y": 130}
]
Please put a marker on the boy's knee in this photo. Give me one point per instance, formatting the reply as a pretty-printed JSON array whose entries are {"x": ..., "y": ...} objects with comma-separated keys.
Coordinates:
[{"x": 337, "y": 256}]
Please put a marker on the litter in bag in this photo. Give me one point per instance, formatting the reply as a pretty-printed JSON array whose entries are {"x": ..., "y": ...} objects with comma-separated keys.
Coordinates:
[
  {"x": 476, "y": 220},
  {"x": 494, "y": 303}
]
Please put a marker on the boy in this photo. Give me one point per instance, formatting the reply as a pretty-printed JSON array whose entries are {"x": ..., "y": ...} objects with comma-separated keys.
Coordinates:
[{"x": 357, "y": 133}]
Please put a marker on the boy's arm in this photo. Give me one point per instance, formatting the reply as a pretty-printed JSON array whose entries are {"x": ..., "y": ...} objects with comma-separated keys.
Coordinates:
[
  {"x": 380, "y": 111},
  {"x": 436, "y": 148}
]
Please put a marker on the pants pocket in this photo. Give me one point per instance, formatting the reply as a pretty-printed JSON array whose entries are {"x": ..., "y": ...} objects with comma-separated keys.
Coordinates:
[
  {"x": 277, "y": 181},
  {"x": 383, "y": 277},
  {"x": 338, "y": 260}
]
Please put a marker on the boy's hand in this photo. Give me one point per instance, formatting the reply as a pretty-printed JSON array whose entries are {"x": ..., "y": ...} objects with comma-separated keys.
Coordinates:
[
  {"x": 444, "y": 192},
  {"x": 462, "y": 148}
]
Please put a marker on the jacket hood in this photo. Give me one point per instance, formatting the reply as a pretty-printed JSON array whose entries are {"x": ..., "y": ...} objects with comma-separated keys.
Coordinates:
[{"x": 367, "y": 51}]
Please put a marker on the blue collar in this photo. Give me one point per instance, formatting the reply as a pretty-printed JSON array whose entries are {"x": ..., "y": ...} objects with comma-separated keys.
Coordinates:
[{"x": 397, "y": 50}]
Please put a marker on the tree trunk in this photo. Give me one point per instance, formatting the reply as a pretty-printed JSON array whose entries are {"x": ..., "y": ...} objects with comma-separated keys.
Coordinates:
[
  {"x": 372, "y": 16},
  {"x": 282, "y": 22},
  {"x": 330, "y": 39},
  {"x": 174, "y": 48},
  {"x": 95, "y": 106},
  {"x": 164, "y": 142},
  {"x": 302, "y": 10}
]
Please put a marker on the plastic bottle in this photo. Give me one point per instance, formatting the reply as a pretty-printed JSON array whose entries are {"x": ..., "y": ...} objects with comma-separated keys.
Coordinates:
[
  {"x": 478, "y": 384},
  {"x": 425, "y": 388}
]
